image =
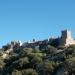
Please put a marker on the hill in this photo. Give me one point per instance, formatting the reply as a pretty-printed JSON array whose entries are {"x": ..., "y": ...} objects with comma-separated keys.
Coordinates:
[{"x": 39, "y": 58}]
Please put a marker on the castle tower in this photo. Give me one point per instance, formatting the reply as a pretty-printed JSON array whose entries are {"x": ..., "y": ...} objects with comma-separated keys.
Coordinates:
[
  {"x": 66, "y": 38},
  {"x": 66, "y": 34}
]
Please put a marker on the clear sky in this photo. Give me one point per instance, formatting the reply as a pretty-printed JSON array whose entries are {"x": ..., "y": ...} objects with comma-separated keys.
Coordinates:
[{"x": 27, "y": 19}]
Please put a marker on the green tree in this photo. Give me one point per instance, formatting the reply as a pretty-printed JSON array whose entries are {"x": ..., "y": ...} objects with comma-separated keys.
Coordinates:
[
  {"x": 51, "y": 50},
  {"x": 16, "y": 72},
  {"x": 35, "y": 61},
  {"x": 70, "y": 67},
  {"x": 46, "y": 68},
  {"x": 25, "y": 52},
  {"x": 29, "y": 72}
]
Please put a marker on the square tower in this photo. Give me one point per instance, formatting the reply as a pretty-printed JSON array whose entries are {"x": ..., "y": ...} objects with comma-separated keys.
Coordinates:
[
  {"x": 66, "y": 38},
  {"x": 66, "y": 34}
]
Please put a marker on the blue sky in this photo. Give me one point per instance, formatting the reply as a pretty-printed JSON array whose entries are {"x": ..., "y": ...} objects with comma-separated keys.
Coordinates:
[{"x": 27, "y": 19}]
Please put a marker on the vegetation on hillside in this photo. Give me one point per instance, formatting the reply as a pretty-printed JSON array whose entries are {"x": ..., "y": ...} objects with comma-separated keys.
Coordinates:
[{"x": 42, "y": 60}]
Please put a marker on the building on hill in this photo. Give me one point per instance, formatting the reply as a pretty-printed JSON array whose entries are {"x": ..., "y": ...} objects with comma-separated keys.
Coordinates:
[{"x": 66, "y": 38}]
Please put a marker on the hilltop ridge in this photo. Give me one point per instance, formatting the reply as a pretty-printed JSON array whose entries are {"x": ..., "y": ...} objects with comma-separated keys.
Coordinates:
[{"x": 46, "y": 57}]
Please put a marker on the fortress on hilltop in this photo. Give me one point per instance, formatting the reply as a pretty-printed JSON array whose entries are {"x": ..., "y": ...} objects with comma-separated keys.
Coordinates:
[
  {"x": 63, "y": 41},
  {"x": 66, "y": 38}
]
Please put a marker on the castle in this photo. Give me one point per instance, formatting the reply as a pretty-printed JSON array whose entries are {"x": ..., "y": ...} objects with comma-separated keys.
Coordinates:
[{"x": 66, "y": 38}]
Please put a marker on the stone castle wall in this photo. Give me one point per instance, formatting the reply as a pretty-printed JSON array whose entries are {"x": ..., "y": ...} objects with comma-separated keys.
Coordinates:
[{"x": 66, "y": 38}]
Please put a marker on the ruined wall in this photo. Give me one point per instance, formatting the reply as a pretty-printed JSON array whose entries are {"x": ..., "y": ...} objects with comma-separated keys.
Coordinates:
[{"x": 66, "y": 38}]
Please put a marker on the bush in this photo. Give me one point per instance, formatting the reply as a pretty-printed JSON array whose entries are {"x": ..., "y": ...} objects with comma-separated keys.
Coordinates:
[
  {"x": 29, "y": 72},
  {"x": 16, "y": 72}
]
